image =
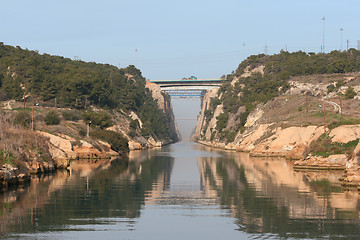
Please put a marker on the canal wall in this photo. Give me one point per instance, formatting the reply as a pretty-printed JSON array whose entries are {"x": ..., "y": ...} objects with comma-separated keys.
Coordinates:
[{"x": 293, "y": 125}]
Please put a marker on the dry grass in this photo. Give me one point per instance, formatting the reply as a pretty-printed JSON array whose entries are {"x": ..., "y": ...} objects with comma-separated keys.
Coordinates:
[
  {"x": 298, "y": 110},
  {"x": 20, "y": 144}
]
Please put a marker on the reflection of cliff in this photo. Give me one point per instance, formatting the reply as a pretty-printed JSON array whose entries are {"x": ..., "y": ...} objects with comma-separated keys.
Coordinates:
[
  {"x": 266, "y": 195},
  {"x": 89, "y": 191}
]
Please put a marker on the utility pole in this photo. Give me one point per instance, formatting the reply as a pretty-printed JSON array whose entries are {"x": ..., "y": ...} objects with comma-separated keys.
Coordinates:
[
  {"x": 32, "y": 117},
  {"x": 324, "y": 119},
  {"x": 340, "y": 108},
  {"x": 88, "y": 129},
  {"x": 341, "y": 30},
  {"x": 347, "y": 45},
  {"x": 266, "y": 48},
  {"x": 323, "y": 48}
]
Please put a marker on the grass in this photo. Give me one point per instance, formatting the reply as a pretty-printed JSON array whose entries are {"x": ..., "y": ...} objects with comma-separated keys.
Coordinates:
[
  {"x": 7, "y": 157},
  {"x": 344, "y": 121},
  {"x": 324, "y": 147}
]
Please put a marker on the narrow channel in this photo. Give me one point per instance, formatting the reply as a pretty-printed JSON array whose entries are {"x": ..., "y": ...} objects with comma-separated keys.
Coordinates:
[{"x": 182, "y": 191}]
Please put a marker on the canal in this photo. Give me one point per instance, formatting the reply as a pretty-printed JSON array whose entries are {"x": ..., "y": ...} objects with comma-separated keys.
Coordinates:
[{"x": 182, "y": 191}]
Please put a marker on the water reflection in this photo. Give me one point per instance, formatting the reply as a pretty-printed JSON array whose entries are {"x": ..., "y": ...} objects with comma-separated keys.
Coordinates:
[
  {"x": 90, "y": 193},
  {"x": 266, "y": 195},
  {"x": 209, "y": 193}
]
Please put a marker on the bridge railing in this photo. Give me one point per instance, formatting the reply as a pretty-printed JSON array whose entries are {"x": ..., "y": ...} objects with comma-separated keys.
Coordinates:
[{"x": 186, "y": 93}]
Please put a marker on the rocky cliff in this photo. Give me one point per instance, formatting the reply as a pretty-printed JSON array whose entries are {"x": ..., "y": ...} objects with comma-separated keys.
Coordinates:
[
  {"x": 293, "y": 124},
  {"x": 50, "y": 147}
]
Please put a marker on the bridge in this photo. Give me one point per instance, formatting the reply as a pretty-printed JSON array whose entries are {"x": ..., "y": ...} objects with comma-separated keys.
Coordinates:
[{"x": 187, "y": 87}]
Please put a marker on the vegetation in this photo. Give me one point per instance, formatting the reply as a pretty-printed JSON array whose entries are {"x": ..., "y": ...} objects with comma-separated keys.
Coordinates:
[
  {"x": 51, "y": 80},
  {"x": 117, "y": 141},
  {"x": 100, "y": 119},
  {"x": 19, "y": 144},
  {"x": 23, "y": 118},
  {"x": 324, "y": 147},
  {"x": 52, "y": 118},
  {"x": 237, "y": 91},
  {"x": 350, "y": 93},
  {"x": 71, "y": 115}
]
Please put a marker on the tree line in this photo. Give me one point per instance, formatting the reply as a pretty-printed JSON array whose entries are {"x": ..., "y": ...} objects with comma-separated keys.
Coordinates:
[
  {"x": 278, "y": 69},
  {"x": 76, "y": 84}
]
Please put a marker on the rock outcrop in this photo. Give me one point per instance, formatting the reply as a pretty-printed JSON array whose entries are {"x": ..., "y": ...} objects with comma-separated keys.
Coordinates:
[{"x": 164, "y": 104}]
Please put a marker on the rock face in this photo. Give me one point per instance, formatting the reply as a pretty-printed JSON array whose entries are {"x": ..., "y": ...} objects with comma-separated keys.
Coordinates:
[
  {"x": 352, "y": 174},
  {"x": 333, "y": 162},
  {"x": 261, "y": 139},
  {"x": 12, "y": 175},
  {"x": 165, "y": 105},
  {"x": 201, "y": 119}
]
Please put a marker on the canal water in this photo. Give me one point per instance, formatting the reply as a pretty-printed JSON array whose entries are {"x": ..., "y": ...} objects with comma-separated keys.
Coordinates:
[{"x": 182, "y": 191}]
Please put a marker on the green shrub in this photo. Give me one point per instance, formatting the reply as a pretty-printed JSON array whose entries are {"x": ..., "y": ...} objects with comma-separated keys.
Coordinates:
[
  {"x": 222, "y": 120},
  {"x": 117, "y": 141},
  {"x": 23, "y": 118},
  {"x": 230, "y": 137},
  {"x": 350, "y": 93},
  {"x": 134, "y": 124},
  {"x": 344, "y": 121},
  {"x": 324, "y": 147},
  {"x": 82, "y": 132},
  {"x": 6, "y": 157},
  {"x": 208, "y": 115},
  {"x": 71, "y": 115},
  {"x": 330, "y": 88},
  {"x": 101, "y": 119},
  {"x": 52, "y": 118}
]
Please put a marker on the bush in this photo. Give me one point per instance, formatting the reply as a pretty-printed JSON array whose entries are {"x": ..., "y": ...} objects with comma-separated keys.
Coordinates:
[
  {"x": 23, "y": 118},
  {"x": 222, "y": 120},
  {"x": 117, "y": 141},
  {"x": 330, "y": 88},
  {"x": 82, "y": 132},
  {"x": 71, "y": 115},
  {"x": 324, "y": 147},
  {"x": 350, "y": 93},
  {"x": 52, "y": 118},
  {"x": 101, "y": 119},
  {"x": 134, "y": 124}
]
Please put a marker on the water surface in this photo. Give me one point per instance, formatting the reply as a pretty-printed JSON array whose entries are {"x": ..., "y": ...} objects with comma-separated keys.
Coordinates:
[{"x": 182, "y": 191}]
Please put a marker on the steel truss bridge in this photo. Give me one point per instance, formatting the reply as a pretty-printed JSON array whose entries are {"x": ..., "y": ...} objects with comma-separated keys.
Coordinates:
[{"x": 187, "y": 87}]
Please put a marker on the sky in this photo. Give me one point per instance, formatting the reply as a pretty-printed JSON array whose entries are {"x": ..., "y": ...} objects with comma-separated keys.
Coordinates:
[{"x": 172, "y": 39}]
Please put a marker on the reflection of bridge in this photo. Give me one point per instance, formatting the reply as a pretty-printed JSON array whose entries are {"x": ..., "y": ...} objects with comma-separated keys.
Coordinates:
[{"x": 187, "y": 87}]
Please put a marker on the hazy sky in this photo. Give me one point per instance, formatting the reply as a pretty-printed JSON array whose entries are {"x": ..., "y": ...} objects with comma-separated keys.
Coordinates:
[{"x": 171, "y": 39}]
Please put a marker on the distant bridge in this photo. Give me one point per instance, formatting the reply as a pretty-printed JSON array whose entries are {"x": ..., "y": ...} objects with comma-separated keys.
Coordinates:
[{"x": 188, "y": 87}]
